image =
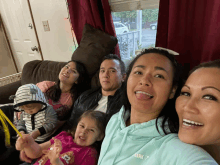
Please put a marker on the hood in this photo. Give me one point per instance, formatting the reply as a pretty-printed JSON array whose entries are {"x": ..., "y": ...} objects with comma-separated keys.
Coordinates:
[
  {"x": 140, "y": 129},
  {"x": 27, "y": 94},
  {"x": 138, "y": 132}
]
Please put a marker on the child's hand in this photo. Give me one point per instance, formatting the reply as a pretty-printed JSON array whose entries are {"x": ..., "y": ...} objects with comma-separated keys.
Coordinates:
[
  {"x": 22, "y": 132},
  {"x": 23, "y": 142},
  {"x": 54, "y": 153},
  {"x": 24, "y": 157},
  {"x": 35, "y": 134}
]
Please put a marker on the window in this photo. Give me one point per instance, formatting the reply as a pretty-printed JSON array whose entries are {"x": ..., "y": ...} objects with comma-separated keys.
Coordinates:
[{"x": 135, "y": 30}]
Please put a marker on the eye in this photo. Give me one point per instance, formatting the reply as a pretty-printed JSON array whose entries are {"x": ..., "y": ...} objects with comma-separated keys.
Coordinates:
[
  {"x": 159, "y": 76},
  {"x": 82, "y": 126},
  {"x": 138, "y": 72},
  {"x": 91, "y": 130},
  {"x": 210, "y": 97},
  {"x": 66, "y": 66},
  {"x": 112, "y": 71},
  {"x": 184, "y": 94},
  {"x": 102, "y": 71}
]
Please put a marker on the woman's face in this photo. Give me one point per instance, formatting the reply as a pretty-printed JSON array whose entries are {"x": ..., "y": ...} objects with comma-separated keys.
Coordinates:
[
  {"x": 198, "y": 108},
  {"x": 149, "y": 84},
  {"x": 69, "y": 74}
]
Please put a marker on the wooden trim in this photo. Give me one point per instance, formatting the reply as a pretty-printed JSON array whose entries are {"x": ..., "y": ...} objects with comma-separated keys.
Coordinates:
[
  {"x": 9, "y": 46},
  {"x": 129, "y": 5},
  {"x": 35, "y": 30}
]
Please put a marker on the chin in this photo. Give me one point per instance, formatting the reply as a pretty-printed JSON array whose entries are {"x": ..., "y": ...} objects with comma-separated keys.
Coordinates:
[{"x": 186, "y": 139}]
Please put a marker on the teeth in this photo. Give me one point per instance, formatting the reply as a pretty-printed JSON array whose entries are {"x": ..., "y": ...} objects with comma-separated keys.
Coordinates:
[
  {"x": 145, "y": 93},
  {"x": 189, "y": 123},
  {"x": 64, "y": 75},
  {"x": 82, "y": 138},
  {"x": 186, "y": 124}
]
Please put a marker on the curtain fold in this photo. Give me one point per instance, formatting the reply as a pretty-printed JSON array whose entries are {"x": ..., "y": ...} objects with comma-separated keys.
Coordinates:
[
  {"x": 94, "y": 12},
  {"x": 191, "y": 28}
]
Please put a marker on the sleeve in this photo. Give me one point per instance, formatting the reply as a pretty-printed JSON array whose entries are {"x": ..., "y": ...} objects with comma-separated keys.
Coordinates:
[
  {"x": 45, "y": 85},
  {"x": 51, "y": 121},
  {"x": 90, "y": 157},
  {"x": 21, "y": 124}
]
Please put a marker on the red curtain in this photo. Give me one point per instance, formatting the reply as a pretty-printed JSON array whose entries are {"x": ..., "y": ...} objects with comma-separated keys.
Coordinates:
[
  {"x": 94, "y": 12},
  {"x": 191, "y": 28}
]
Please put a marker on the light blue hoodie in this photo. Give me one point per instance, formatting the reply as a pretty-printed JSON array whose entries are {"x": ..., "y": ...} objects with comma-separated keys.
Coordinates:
[{"x": 140, "y": 144}]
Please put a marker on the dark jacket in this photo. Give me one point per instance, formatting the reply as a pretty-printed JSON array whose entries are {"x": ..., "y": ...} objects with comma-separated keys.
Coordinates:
[{"x": 89, "y": 101}]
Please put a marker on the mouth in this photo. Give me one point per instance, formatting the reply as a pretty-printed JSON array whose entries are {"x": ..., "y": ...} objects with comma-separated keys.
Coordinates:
[
  {"x": 191, "y": 123},
  {"x": 65, "y": 75},
  {"x": 146, "y": 95},
  {"x": 105, "y": 81},
  {"x": 82, "y": 138}
]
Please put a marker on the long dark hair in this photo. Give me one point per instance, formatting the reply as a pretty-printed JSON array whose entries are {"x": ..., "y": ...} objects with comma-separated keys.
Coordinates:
[
  {"x": 168, "y": 112},
  {"x": 83, "y": 84}
]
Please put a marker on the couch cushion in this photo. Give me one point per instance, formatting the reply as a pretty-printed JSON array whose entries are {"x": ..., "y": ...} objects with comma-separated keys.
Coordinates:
[
  {"x": 37, "y": 71},
  {"x": 94, "y": 45}
]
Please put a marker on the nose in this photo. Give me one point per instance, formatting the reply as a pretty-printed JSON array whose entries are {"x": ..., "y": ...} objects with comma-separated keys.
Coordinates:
[
  {"x": 68, "y": 70},
  {"x": 146, "y": 80},
  {"x": 106, "y": 74},
  {"x": 84, "y": 131},
  {"x": 191, "y": 106}
]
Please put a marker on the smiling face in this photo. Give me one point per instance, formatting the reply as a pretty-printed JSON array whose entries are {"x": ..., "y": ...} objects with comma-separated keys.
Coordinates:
[
  {"x": 69, "y": 74},
  {"x": 198, "y": 108},
  {"x": 110, "y": 76},
  {"x": 149, "y": 85},
  {"x": 87, "y": 132}
]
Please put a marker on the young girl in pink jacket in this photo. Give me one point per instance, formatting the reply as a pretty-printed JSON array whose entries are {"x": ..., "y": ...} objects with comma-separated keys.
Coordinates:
[{"x": 63, "y": 148}]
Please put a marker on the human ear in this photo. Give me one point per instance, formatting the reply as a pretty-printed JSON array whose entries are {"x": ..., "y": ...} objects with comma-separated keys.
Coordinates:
[
  {"x": 123, "y": 77},
  {"x": 173, "y": 91}
]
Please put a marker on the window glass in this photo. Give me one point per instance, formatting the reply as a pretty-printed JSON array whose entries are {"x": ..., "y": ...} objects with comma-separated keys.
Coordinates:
[{"x": 136, "y": 30}]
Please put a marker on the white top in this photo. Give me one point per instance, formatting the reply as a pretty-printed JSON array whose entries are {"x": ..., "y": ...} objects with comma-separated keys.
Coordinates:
[{"x": 102, "y": 104}]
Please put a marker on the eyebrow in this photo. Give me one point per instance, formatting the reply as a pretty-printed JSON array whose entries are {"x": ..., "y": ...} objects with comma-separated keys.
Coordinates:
[
  {"x": 109, "y": 68},
  {"x": 186, "y": 86},
  {"x": 71, "y": 68},
  {"x": 210, "y": 87},
  {"x": 156, "y": 67}
]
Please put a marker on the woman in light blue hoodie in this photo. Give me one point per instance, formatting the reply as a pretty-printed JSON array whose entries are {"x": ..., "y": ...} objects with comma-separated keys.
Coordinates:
[{"x": 145, "y": 129}]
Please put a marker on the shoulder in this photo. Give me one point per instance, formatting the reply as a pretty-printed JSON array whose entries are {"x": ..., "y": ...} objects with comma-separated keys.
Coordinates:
[
  {"x": 114, "y": 120},
  {"x": 183, "y": 153},
  {"x": 49, "y": 109},
  {"x": 89, "y": 93}
]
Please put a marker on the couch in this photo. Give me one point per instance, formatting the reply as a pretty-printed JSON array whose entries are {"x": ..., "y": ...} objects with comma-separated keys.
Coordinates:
[{"x": 94, "y": 45}]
